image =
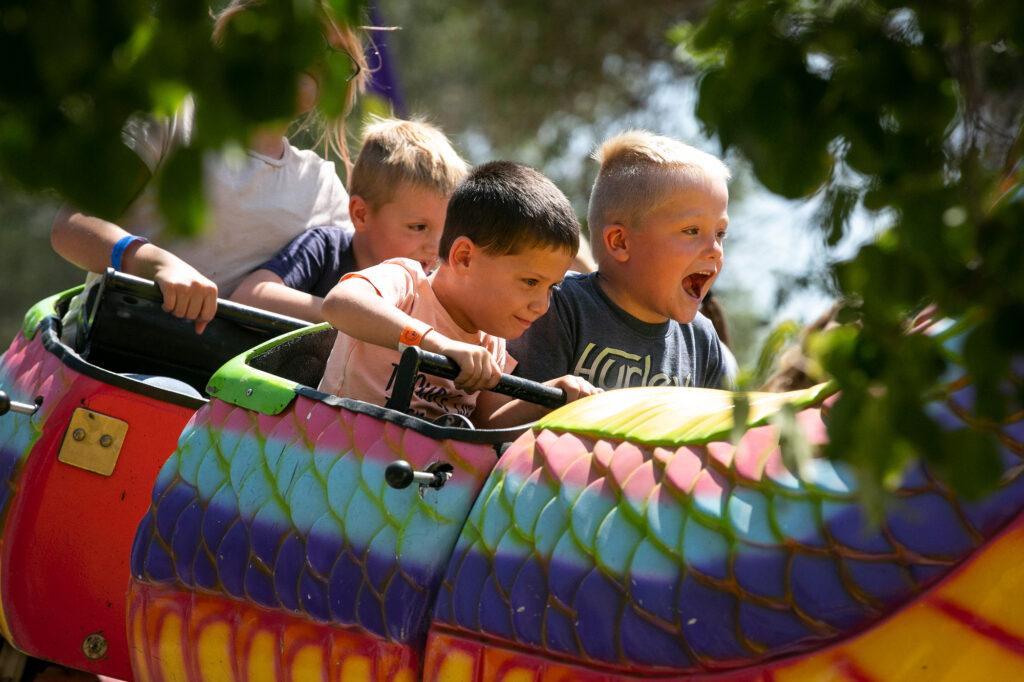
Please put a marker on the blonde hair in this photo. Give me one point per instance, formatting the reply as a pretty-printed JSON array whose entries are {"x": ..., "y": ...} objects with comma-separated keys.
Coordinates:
[
  {"x": 332, "y": 132},
  {"x": 396, "y": 151},
  {"x": 637, "y": 168}
]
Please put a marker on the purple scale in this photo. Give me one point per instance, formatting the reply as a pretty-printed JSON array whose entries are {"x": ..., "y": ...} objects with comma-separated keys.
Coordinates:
[
  {"x": 916, "y": 477},
  {"x": 232, "y": 557},
  {"x": 654, "y": 596},
  {"x": 177, "y": 497},
  {"x": 928, "y": 525},
  {"x": 204, "y": 571},
  {"x": 379, "y": 569},
  {"x": 313, "y": 596},
  {"x": 770, "y": 627},
  {"x": 886, "y": 581},
  {"x": 926, "y": 573},
  {"x": 323, "y": 550},
  {"x": 221, "y": 512},
  {"x": 564, "y": 578},
  {"x": 991, "y": 513},
  {"x": 598, "y": 607},
  {"x": 850, "y": 527},
  {"x": 346, "y": 579},
  {"x": 266, "y": 539},
  {"x": 467, "y": 581},
  {"x": 507, "y": 567},
  {"x": 259, "y": 586},
  {"x": 290, "y": 562},
  {"x": 1015, "y": 431},
  {"x": 559, "y": 632},
  {"x": 143, "y": 536},
  {"x": 370, "y": 611},
  {"x": 645, "y": 643},
  {"x": 964, "y": 398},
  {"x": 818, "y": 590},
  {"x": 185, "y": 542},
  {"x": 528, "y": 601},
  {"x": 495, "y": 616},
  {"x": 159, "y": 566},
  {"x": 707, "y": 618},
  {"x": 406, "y": 610},
  {"x": 761, "y": 570}
]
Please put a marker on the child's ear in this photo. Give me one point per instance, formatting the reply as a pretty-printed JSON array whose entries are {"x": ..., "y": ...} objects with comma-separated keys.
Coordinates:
[
  {"x": 616, "y": 241},
  {"x": 461, "y": 254},
  {"x": 357, "y": 211}
]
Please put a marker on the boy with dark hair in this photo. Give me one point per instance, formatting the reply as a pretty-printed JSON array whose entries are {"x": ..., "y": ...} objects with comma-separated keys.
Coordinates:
[{"x": 508, "y": 239}]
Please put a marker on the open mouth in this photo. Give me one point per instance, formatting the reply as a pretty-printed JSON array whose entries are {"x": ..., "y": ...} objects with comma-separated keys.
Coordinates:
[{"x": 694, "y": 284}]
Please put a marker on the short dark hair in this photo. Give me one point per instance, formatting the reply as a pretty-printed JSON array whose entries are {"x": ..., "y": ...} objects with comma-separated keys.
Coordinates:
[{"x": 505, "y": 207}]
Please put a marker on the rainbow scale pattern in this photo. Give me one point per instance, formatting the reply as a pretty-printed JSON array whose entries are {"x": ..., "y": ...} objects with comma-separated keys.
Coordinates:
[
  {"x": 291, "y": 513},
  {"x": 699, "y": 558}
]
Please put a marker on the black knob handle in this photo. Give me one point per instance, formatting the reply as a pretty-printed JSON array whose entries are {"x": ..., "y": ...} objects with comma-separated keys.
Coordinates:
[{"x": 399, "y": 474}]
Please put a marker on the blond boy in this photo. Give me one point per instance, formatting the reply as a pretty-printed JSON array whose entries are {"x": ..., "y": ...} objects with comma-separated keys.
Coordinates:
[
  {"x": 405, "y": 172},
  {"x": 658, "y": 217}
]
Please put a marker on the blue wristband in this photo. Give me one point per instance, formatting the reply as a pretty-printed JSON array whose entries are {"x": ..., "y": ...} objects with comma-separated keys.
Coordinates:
[{"x": 117, "y": 255}]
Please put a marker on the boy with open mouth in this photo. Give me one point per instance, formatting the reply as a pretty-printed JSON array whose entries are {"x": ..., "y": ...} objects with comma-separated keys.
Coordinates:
[{"x": 658, "y": 217}]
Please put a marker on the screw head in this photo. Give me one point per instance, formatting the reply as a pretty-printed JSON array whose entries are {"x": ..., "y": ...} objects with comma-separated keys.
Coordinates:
[
  {"x": 248, "y": 391},
  {"x": 94, "y": 646},
  {"x": 78, "y": 434},
  {"x": 106, "y": 440}
]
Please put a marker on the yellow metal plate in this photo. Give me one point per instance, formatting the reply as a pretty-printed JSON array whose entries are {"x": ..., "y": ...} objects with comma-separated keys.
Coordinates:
[{"x": 93, "y": 441}]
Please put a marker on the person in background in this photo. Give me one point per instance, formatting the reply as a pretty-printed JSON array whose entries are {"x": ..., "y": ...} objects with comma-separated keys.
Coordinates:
[{"x": 257, "y": 199}]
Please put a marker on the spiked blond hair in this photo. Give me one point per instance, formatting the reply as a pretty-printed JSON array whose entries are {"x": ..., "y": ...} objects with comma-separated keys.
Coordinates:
[
  {"x": 637, "y": 168},
  {"x": 396, "y": 151}
]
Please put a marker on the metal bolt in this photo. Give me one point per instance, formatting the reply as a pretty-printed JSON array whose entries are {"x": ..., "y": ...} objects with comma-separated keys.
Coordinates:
[
  {"x": 248, "y": 391},
  {"x": 94, "y": 646},
  {"x": 106, "y": 440},
  {"x": 78, "y": 434}
]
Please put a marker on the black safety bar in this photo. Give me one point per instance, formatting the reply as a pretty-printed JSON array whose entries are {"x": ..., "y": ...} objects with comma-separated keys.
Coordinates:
[{"x": 415, "y": 360}]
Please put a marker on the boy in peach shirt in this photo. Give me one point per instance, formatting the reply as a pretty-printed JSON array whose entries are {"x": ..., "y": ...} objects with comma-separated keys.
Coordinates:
[{"x": 509, "y": 237}]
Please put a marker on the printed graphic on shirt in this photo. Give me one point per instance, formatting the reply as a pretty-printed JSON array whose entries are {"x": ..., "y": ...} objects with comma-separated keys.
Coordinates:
[
  {"x": 610, "y": 368},
  {"x": 447, "y": 401}
]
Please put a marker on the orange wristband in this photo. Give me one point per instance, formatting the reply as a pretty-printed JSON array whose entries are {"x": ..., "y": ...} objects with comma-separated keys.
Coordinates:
[{"x": 413, "y": 335}]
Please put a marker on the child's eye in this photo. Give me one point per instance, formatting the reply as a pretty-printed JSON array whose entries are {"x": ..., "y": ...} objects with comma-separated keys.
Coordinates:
[
  {"x": 418, "y": 227},
  {"x": 722, "y": 234},
  {"x": 530, "y": 282},
  {"x": 692, "y": 230}
]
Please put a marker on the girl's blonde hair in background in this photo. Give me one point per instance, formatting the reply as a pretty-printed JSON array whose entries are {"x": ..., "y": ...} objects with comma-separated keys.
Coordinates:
[
  {"x": 396, "y": 151},
  {"x": 637, "y": 168},
  {"x": 332, "y": 132}
]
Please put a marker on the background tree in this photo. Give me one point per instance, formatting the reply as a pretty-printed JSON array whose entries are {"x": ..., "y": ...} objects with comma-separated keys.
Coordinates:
[{"x": 911, "y": 110}]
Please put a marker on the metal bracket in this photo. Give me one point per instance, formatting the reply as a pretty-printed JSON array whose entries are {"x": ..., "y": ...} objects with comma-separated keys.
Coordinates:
[{"x": 93, "y": 441}]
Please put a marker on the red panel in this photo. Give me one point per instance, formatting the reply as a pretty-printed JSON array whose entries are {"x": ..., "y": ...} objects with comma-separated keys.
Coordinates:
[{"x": 67, "y": 541}]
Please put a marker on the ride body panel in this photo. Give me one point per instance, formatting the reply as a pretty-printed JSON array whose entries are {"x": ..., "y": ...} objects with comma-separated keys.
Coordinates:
[
  {"x": 66, "y": 534},
  {"x": 624, "y": 539},
  {"x": 281, "y": 528}
]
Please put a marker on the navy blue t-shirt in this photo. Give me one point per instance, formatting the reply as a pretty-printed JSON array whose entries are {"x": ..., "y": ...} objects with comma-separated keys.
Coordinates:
[{"x": 315, "y": 261}]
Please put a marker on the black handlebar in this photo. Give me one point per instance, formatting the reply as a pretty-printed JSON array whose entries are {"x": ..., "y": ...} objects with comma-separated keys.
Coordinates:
[
  {"x": 226, "y": 310},
  {"x": 8, "y": 405},
  {"x": 415, "y": 360}
]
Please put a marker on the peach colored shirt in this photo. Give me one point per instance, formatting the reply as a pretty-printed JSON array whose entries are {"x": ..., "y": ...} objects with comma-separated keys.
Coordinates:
[{"x": 363, "y": 371}]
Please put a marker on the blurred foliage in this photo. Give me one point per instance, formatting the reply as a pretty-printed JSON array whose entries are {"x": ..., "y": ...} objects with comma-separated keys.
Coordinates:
[
  {"x": 912, "y": 110},
  {"x": 75, "y": 70},
  {"x": 525, "y": 80}
]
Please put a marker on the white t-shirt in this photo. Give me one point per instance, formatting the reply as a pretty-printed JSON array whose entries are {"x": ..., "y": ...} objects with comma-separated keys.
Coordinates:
[{"x": 255, "y": 204}]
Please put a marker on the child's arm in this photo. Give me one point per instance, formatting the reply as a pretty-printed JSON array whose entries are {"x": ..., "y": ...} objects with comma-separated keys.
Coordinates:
[
  {"x": 265, "y": 289},
  {"x": 356, "y": 308},
  {"x": 88, "y": 242},
  {"x": 495, "y": 411}
]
